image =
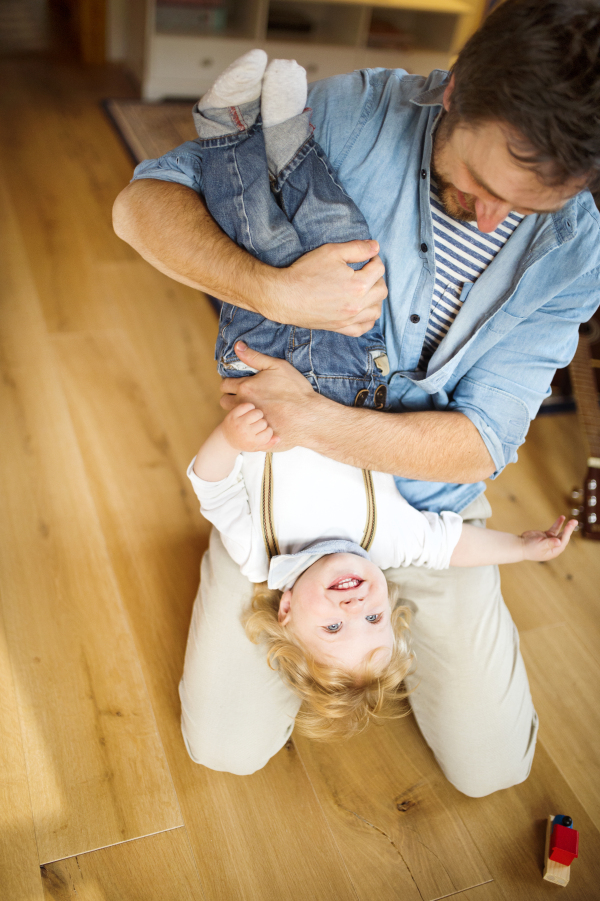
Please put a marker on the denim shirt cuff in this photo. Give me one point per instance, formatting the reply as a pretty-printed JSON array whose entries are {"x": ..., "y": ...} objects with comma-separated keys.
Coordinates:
[{"x": 490, "y": 439}]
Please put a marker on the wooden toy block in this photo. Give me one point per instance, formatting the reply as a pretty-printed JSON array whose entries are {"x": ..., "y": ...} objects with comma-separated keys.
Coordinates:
[{"x": 554, "y": 871}]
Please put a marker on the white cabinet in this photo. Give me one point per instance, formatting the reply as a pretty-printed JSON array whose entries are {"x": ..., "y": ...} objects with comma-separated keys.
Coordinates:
[{"x": 183, "y": 57}]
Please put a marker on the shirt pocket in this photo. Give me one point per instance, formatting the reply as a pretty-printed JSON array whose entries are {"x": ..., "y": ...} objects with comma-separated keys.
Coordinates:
[{"x": 502, "y": 322}]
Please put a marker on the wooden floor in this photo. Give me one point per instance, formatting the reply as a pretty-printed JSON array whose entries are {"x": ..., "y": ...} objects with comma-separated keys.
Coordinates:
[{"x": 108, "y": 387}]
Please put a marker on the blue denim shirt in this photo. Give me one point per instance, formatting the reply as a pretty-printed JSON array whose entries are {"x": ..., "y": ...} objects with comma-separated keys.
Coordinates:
[{"x": 519, "y": 320}]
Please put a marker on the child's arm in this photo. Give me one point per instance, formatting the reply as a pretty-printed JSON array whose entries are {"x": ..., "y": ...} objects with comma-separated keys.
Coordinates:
[
  {"x": 480, "y": 547},
  {"x": 218, "y": 483},
  {"x": 243, "y": 429}
]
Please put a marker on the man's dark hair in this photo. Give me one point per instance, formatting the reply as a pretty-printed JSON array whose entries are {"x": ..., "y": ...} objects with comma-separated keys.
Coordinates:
[{"x": 535, "y": 65}]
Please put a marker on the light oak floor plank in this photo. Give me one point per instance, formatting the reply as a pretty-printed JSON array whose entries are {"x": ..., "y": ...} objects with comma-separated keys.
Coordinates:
[
  {"x": 272, "y": 839},
  {"x": 156, "y": 868},
  {"x": 19, "y": 862},
  {"x": 390, "y": 816},
  {"x": 66, "y": 166},
  {"x": 565, "y": 684},
  {"x": 531, "y": 495},
  {"x": 173, "y": 330},
  {"x": 97, "y": 770},
  {"x": 509, "y": 830}
]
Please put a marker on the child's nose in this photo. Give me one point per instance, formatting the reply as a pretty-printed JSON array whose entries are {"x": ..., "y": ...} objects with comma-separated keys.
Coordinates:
[{"x": 351, "y": 603}]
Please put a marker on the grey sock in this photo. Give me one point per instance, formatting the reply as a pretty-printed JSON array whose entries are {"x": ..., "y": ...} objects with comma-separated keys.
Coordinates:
[{"x": 283, "y": 141}]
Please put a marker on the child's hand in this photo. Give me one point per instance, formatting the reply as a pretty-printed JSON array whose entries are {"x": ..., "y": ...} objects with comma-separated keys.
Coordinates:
[
  {"x": 547, "y": 545},
  {"x": 246, "y": 429}
]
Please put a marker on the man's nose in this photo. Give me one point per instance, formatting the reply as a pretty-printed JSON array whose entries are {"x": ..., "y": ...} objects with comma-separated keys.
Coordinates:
[{"x": 490, "y": 215}]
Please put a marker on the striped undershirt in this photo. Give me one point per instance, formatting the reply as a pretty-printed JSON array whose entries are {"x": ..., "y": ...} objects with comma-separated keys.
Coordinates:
[{"x": 462, "y": 253}]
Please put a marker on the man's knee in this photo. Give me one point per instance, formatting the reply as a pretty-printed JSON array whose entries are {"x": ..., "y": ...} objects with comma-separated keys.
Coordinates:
[
  {"x": 480, "y": 772},
  {"x": 241, "y": 757}
]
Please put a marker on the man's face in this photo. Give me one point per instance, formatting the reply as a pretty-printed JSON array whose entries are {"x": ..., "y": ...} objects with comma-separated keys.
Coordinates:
[{"x": 480, "y": 180}]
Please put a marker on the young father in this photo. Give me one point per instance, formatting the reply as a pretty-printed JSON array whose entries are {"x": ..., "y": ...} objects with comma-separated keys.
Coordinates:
[{"x": 475, "y": 187}]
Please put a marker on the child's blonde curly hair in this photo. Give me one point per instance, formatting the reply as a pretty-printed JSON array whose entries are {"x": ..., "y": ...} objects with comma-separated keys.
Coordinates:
[{"x": 335, "y": 704}]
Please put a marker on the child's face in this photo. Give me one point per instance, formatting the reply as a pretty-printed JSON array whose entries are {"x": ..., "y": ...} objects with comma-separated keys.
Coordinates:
[{"x": 339, "y": 609}]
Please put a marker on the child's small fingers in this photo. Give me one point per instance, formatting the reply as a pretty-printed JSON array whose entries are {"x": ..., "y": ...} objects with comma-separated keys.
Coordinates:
[
  {"x": 259, "y": 426},
  {"x": 253, "y": 416},
  {"x": 568, "y": 531},
  {"x": 242, "y": 410},
  {"x": 555, "y": 527}
]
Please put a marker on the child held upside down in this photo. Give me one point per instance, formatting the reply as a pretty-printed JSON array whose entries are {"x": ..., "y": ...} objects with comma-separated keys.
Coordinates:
[{"x": 317, "y": 532}]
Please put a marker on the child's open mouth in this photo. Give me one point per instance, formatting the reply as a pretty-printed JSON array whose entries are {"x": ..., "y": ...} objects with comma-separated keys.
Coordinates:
[{"x": 346, "y": 582}]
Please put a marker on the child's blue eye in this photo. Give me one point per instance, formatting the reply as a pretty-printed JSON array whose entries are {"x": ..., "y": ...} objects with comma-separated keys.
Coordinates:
[
  {"x": 334, "y": 627},
  {"x": 373, "y": 617}
]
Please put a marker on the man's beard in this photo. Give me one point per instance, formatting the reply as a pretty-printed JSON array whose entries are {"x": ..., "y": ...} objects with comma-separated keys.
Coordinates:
[
  {"x": 446, "y": 190},
  {"x": 449, "y": 200}
]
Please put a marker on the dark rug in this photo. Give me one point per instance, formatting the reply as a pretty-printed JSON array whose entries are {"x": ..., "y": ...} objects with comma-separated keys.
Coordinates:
[{"x": 149, "y": 130}]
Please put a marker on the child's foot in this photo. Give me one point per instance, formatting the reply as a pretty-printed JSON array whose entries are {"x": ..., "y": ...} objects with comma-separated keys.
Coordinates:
[
  {"x": 239, "y": 83},
  {"x": 283, "y": 91}
]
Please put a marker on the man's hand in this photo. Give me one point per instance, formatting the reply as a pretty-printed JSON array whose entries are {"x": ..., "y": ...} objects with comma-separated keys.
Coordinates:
[
  {"x": 284, "y": 396},
  {"x": 169, "y": 225},
  {"x": 246, "y": 429},
  {"x": 321, "y": 291},
  {"x": 542, "y": 546}
]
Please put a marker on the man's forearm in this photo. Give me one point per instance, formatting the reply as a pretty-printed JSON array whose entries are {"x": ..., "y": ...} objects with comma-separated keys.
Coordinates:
[
  {"x": 434, "y": 446},
  {"x": 169, "y": 225}
]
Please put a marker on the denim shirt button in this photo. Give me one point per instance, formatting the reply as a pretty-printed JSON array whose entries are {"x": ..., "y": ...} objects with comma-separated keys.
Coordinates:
[
  {"x": 423, "y": 173},
  {"x": 568, "y": 224},
  {"x": 415, "y": 318},
  {"x": 424, "y": 248}
]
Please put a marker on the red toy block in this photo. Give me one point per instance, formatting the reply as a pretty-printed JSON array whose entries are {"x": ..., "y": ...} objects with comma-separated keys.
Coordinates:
[{"x": 564, "y": 845}]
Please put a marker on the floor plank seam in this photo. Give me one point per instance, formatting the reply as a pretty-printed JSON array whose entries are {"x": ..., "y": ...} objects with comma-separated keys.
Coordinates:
[
  {"x": 463, "y": 891},
  {"x": 126, "y": 841}
]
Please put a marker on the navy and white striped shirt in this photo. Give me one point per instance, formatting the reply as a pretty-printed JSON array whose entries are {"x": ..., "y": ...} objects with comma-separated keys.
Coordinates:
[{"x": 462, "y": 253}]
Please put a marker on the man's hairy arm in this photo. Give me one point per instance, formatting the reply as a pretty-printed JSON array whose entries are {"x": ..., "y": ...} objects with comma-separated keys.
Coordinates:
[
  {"x": 170, "y": 227},
  {"x": 434, "y": 446}
]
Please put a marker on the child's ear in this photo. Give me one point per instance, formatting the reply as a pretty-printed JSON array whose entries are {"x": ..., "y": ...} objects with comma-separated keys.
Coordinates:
[{"x": 283, "y": 616}]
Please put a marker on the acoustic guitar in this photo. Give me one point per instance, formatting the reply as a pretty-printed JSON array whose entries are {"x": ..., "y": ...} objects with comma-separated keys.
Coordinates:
[{"x": 583, "y": 381}]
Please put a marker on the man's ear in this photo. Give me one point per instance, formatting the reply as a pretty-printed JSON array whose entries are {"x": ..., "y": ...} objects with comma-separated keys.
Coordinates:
[
  {"x": 448, "y": 94},
  {"x": 284, "y": 616}
]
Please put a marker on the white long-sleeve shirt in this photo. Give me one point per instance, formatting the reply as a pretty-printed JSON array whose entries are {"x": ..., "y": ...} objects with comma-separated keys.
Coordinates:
[{"x": 315, "y": 499}]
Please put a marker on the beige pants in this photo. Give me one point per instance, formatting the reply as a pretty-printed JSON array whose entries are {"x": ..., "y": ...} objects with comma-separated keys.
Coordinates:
[{"x": 471, "y": 701}]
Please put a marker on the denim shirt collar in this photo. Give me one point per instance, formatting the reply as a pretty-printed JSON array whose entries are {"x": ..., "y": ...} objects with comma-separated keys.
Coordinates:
[
  {"x": 433, "y": 96},
  {"x": 564, "y": 220}
]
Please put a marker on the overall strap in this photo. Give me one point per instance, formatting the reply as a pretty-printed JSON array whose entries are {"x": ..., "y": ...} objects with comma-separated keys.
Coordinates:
[
  {"x": 266, "y": 510},
  {"x": 371, "y": 523}
]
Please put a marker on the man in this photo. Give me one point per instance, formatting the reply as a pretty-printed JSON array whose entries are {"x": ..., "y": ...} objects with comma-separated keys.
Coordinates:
[{"x": 511, "y": 141}]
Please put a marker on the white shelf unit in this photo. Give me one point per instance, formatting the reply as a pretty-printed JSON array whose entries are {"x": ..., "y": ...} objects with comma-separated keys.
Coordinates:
[{"x": 327, "y": 37}]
